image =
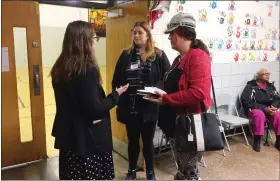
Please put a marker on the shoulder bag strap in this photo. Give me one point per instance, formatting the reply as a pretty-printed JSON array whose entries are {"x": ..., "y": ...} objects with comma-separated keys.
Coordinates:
[{"x": 203, "y": 107}]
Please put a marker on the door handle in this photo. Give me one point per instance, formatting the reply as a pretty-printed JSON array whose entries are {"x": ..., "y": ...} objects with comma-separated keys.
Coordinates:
[{"x": 36, "y": 78}]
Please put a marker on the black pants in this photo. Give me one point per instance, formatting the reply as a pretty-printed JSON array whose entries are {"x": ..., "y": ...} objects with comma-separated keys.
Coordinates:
[{"x": 147, "y": 130}]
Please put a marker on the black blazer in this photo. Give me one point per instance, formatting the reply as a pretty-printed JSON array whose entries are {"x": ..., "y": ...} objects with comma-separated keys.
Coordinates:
[
  {"x": 78, "y": 103},
  {"x": 149, "y": 110}
]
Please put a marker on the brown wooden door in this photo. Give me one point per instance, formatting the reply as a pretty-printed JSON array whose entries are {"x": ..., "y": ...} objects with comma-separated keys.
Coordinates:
[
  {"x": 118, "y": 37},
  {"x": 23, "y": 121}
]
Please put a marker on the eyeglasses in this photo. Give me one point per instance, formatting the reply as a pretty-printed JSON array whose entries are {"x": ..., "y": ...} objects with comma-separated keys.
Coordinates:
[
  {"x": 96, "y": 38},
  {"x": 267, "y": 74}
]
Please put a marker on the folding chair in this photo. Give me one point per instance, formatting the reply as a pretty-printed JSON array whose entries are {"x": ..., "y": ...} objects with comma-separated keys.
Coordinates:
[
  {"x": 222, "y": 130},
  {"x": 168, "y": 145},
  {"x": 202, "y": 161},
  {"x": 231, "y": 121}
]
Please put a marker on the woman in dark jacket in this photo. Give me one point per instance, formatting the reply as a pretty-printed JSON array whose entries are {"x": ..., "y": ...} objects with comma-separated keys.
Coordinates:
[
  {"x": 187, "y": 84},
  {"x": 82, "y": 127},
  {"x": 261, "y": 101},
  {"x": 141, "y": 65}
]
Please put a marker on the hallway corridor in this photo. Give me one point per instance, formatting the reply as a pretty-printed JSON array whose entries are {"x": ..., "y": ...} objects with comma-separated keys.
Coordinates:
[{"x": 242, "y": 163}]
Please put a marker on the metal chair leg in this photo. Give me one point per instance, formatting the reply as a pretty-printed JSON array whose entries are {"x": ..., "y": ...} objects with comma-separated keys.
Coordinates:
[
  {"x": 160, "y": 145},
  {"x": 226, "y": 141},
  {"x": 268, "y": 128},
  {"x": 244, "y": 135},
  {"x": 270, "y": 135},
  {"x": 251, "y": 130},
  {"x": 266, "y": 139},
  {"x": 267, "y": 134},
  {"x": 174, "y": 157},
  {"x": 224, "y": 152},
  {"x": 202, "y": 161}
]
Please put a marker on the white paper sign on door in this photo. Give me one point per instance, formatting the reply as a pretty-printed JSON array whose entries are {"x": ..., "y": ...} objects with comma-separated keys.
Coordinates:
[{"x": 5, "y": 59}]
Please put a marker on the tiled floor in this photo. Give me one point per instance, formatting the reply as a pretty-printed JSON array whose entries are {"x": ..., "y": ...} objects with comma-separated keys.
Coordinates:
[{"x": 242, "y": 163}]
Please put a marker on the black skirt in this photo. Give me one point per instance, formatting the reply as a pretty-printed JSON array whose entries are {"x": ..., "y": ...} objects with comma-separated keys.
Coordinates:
[{"x": 88, "y": 167}]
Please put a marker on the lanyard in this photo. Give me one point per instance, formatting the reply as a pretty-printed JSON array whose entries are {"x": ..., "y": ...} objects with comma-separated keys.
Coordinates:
[{"x": 169, "y": 71}]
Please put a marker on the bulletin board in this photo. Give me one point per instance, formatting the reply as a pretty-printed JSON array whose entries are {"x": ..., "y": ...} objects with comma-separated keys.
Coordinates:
[{"x": 235, "y": 31}]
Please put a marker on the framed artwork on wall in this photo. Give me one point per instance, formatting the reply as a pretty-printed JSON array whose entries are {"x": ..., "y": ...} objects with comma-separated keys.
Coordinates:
[{"x": 98, "y": 20}]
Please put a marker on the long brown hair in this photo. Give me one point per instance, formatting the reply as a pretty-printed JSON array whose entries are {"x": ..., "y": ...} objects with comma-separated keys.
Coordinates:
[
  {"x": 77, "y": 53},
  {"x": 150, "y": 49}
]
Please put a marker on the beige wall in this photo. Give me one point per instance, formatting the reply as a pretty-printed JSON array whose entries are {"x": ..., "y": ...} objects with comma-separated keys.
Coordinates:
[{"x": 54, "y": 20}]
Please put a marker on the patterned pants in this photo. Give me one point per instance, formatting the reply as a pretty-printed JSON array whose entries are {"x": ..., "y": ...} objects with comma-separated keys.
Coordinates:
[{"x": 187, "y": 163}]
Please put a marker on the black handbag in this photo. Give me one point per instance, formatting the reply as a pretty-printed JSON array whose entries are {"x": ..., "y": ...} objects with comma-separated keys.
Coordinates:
[{"x": 198, "y": 132}]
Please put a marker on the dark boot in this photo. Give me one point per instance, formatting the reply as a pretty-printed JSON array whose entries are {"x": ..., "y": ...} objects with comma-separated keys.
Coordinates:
[
  {"x": 277, "y": 143},
  {"x": 257, "y": 143},
  {"x": 131, "y": 175},
  {"x": 150, "y": 174},
  {"x": 179, "y": 176}
]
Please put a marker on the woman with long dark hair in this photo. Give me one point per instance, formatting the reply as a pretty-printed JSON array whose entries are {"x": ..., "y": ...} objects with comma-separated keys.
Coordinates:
[
  {"x": 82, "y": 127},
  {"x": 187, "y": 84}
]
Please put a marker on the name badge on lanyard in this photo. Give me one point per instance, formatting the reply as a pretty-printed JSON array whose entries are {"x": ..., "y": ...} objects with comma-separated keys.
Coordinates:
[{"x": 135, "y": 65}]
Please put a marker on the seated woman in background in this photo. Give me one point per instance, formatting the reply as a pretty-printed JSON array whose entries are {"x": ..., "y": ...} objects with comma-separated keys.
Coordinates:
[
  {"x": 82, "y": 125},
  {"x": 261, "y": 101}
]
